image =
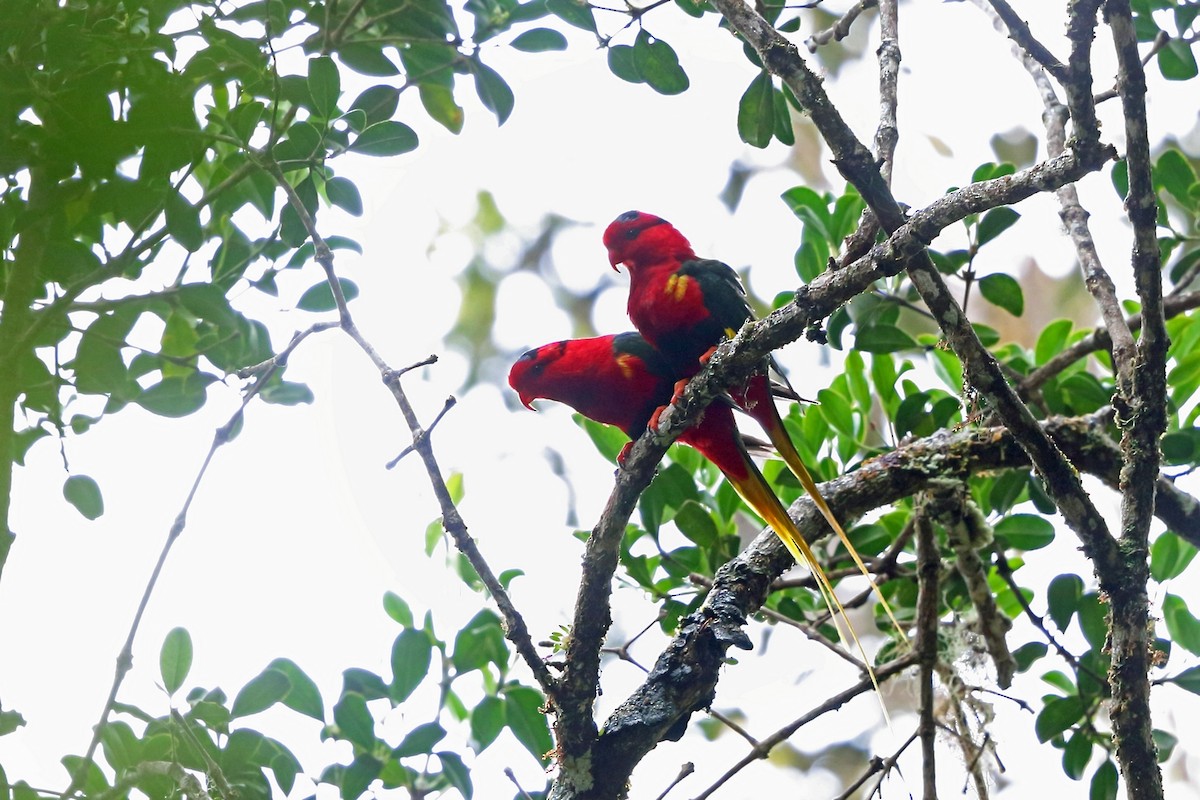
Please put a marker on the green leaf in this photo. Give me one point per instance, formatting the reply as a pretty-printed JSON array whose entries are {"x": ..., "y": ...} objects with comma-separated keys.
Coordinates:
[
  {"x": 365, "y": 59},
  {"x": 1092, "y": 620},
  {"x": 175, "y": 659},
  {"x": 1062, "y": 597},
  {"x": 457, "y": 773},
  {"x": 263, "y": 691},
  {"x": 1174, "y": 173},
  {"x": 480, "y": 642},
  {"x": 378, "y": 103},
  {"x": 1104, "y": 783},
  {"x": 1188, "y": 680},
  {"x": 756, "y": 112},
  {"x": 83, "y": 492},
  {"x": 694, "y": 521},
  {"x": 1004, "y": 291},
  {"x": 1052, "y": 340},
  {"x": 320, "y": 296},
  {"x": 302, "y": 695},
  {"x": 1076, "y": 755},
  {"x": 354, "y": 721},
  {"x": 493, "y": 91},
  {"x": 412, "y": 653},
  {"x": 573, "y": 13},
  {"x": 325, "y": 85},
  {"x": 183, "y": 222},
  {"x": 1183, "y": 627},
  {"x": 387, "y": 138},
  {"x": 1027, "y": 654},
  {"x": 881, "y": 338},
  {"x": 1177, "y": 61},
  {"x": 623, "y": 64},
  {"x": 994, "y": 223},
  {"x": 1026, "y": 531},
  {"x": 1059, "y": 714},
  {"x": 176, "y": 396},
  {"x": 398, "y": 609},
  {"x": 659, "y": 65},
  {"x": 487, "y": 720},
  {"x": 356, "y": 778},
  {"x": 539, "y": 40},
  {"x": 1170, "y": 556},
  {"x": 522, "y": 709},
  {"x": 344, "y": 194},
  {"x": 420, "y": 740}
]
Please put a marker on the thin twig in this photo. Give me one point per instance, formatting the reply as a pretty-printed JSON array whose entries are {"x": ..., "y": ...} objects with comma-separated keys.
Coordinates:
[
  {"x": 928, "y": 600},
  {"x": 840, "y": 29},
  {"x": 833, "y": 703}
]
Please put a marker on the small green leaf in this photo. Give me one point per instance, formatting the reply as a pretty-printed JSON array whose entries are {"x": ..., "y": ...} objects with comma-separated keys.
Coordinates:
[
  {"x": 378, "y": 103},
  {"x": 694, "y": 521},
  {"x": 457, "y": 773},
  {"x": 1076, "y": 755},
  {"x": 1183, "y": 627},
  {"x": 83, "y": 492},
  {"x": 881, "y": 338},
  {"x": 176, "y": 396},
  {"x": 263, "y": 691},
  {"x": 412, "y": 653},
  {"x": 302, "y": 695},
  {"x": 1177, "y": 61},
  {"x": 398, "y": 609},
  {"x": 1059, "y": 714},
  {"x": 320, "y": 296},
  {"x": 574, "y": 13},
  {"x": 1062, "y": 597},
  {"x": 487, "y": 720},
  {"x": 539, "y": 40},
  {"x": 756, "y": 112},
  {"x": 1170, "y": 556},
  {"x": 996, "y": 222},
  {"x": 1104, "y": 783},
  {"x": 1188, "y": 680},
  {"x": 183, "y": 222},
  {"x": 522, "y": 709},
  {"x": 325, "y": 85},
  {"x": 621, "y": 62},
  {"x": 659, "y": 65},
  {"x": 344, "y": 194},
  {"x": 1004, "y": 291},
  {"x": 354, "y": 721},
  {"x": 493, "y": 91},
  {"x": 387, "y": 138},
  {"x": 420, "y": 740},
  {"x": 175, "y": 659},
  {"x": 1026, "y": 531}
]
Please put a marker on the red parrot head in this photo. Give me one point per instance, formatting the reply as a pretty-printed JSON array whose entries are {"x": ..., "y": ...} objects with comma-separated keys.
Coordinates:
[
  {"x": 636, "y": 238},
  {"x": 527, "y": 376}
]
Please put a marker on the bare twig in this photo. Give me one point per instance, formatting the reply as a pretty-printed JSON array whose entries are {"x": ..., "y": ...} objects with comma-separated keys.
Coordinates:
[
  {"x": 221, "y": 437},
  {"x": 515, "y": 629},
  {"x": 840, "y": 29},
  {"x": 833, "y": 703},
  {"x": 928, "y": 600}
]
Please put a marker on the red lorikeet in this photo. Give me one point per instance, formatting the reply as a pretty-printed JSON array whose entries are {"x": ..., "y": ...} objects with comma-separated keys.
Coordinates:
[{"x": 684, "y": 306}]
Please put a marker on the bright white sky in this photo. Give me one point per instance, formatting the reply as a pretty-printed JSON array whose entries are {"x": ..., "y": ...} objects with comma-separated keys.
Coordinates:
[{"x": 298, "y": 529}]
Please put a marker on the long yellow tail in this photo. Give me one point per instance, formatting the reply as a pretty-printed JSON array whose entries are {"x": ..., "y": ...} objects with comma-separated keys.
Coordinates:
[
  {"x": 783, "y": 443},
  {"x": 755, "y": 491}
]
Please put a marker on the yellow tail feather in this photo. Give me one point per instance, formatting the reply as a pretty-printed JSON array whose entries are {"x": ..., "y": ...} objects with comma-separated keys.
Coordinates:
[
  {"x": 758, "y": 495},
  {"x": 787, "y": 450}
]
